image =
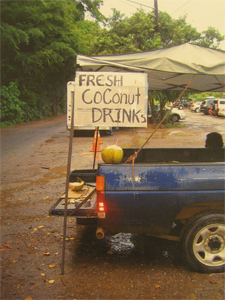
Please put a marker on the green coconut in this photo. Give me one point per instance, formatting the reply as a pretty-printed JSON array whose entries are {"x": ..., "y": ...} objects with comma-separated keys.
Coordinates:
[
  {"x": 76, "y": 186},
  {"x": 112, "y": 154}
]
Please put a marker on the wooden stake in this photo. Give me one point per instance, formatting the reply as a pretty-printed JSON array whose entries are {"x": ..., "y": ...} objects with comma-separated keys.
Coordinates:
[
  {"x": 96, "y": 144},
  {"x": 67, "y": 183}
]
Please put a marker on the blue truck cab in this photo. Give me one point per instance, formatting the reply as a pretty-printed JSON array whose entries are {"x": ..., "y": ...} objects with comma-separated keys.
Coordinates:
[{"x": 173, "y": 193}]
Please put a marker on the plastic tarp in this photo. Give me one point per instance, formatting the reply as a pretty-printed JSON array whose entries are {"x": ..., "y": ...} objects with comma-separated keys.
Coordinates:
[{"x": 169, "y": 68}]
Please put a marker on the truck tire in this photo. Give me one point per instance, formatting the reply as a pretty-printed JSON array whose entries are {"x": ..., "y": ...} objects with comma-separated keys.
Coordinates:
[
  {"x": 203, "y": 243},
  {"x": 197, "y": 110}
]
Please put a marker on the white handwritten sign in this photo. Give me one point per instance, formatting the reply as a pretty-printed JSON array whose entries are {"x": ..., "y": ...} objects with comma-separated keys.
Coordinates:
[{"x": 111, "y": 99}]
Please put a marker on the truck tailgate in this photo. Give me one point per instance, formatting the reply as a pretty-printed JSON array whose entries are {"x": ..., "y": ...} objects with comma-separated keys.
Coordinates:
[{"x": 80, "y": 203}]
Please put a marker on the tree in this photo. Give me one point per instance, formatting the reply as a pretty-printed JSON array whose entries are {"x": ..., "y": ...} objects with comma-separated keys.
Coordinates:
[
  {"x": 210, "y": 38},
  {"x": 175, "y": 32},
  {"x": 125, "y": 35},
  {"x": 138, "y": 33},
  {"x": 40, "y": 41}
]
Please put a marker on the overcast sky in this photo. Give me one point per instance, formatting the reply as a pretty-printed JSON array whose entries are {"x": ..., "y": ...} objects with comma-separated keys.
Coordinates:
[{"x": 200, "y": 13}]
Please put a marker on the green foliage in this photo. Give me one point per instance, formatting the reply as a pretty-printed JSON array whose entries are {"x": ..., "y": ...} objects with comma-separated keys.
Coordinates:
[
  {"x": 125, "y": 35},
  {"x": 210, "y": 38},
  {"x": 161, "y": 98},
  {"x": 12, "y": 109},
  {"x": 92, "y": 6},
  {"x": 175, "y": 32},
  {"x": 202, "y": 96},
  {"x": 40, "y": 41},
  {"x": 138, "y": 33}
]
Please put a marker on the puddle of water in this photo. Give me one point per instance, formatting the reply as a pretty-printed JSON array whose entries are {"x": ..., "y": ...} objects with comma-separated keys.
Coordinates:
[
  {"x": 174, "y": 132},
  {"x": 137, "y": 141},
  {"x": 59, "y": 170}
]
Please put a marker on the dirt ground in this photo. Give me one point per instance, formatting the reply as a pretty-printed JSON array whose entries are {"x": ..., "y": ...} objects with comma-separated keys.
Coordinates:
[{"x": 33, "y": 165}]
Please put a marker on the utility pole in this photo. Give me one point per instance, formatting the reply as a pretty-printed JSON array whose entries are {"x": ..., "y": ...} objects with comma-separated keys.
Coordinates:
[{"x": 156, "y": 15}]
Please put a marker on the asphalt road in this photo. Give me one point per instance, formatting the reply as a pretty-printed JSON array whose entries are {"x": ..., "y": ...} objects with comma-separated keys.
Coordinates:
[
  {"x": 19, "y": 141},
  {"x": 33, "y": 173}
]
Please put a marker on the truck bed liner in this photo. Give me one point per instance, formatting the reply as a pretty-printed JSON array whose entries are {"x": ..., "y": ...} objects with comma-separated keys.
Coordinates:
[{"x": 164, "y": 155}]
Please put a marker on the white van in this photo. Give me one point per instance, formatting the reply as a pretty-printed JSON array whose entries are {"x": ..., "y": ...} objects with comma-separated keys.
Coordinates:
[{"x": 220, "y": 107}]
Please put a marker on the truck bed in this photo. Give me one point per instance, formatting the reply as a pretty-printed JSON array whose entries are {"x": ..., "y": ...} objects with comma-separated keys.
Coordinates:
[{"x": 168, "y": 155}]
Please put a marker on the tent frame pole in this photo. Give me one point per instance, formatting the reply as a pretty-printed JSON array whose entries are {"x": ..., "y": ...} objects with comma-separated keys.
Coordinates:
[{"x": 219, "y": 81}]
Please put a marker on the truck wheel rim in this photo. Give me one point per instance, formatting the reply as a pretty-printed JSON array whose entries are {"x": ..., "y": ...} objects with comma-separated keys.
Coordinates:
[{"x": 209, "y": 245}]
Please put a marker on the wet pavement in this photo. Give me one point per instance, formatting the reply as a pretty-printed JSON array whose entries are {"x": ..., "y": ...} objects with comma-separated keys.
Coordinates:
[{"x": 124, "y": 266}]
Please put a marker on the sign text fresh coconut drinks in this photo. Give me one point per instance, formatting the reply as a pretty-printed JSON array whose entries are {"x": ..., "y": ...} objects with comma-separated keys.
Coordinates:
[{"x": 111, "y": 99}]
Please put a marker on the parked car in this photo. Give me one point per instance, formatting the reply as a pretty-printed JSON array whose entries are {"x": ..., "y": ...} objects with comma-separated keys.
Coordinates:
[
  {"x": 186, "y": 102},
  {"x": 206, "y": 104},
  {"x": 195, "y": 106},
  {"x": 190, "y": 103},
  {"x": 213, "y": 111},
  {"x": 221, "y": 107},
  {"x": 176, "y": 114},
  {"x": 180, "y": 104}
]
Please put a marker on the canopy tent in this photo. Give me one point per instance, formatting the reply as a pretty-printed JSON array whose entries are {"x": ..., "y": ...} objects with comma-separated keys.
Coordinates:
[{"x": 167, "y": 69}]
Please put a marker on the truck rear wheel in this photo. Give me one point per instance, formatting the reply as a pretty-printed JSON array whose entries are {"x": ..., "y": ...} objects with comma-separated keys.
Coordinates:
[{"x": 204, "y": 244}]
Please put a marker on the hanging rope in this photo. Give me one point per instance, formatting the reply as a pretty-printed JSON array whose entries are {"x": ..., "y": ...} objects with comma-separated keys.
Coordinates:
[{"x": 134, "y": 156}]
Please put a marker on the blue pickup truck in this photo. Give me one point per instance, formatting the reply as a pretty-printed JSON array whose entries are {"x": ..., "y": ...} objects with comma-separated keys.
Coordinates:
[{"x": 172, "y": 193}]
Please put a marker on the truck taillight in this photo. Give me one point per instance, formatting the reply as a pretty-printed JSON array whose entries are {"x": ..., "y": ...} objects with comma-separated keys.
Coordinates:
[
  {"x": 101, "y": 205},
  {"x": 100, "y": 187},
  {"x": 100, "y": 183}
]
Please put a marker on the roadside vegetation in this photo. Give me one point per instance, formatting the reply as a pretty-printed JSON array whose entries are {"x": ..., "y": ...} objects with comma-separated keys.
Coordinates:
[{"x": 41, "y": 39}]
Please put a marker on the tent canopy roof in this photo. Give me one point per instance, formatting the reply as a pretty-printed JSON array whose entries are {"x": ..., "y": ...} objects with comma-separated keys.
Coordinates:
[{"x": 167, "y": 69}]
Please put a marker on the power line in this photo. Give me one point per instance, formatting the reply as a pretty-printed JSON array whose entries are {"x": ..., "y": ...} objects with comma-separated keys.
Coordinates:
[
  {"x": 154, "y": 8},
  {"x": 140, "y": 4},
  {"x": 124, "y": 1},
  {"x": 181, "y": 7}
]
